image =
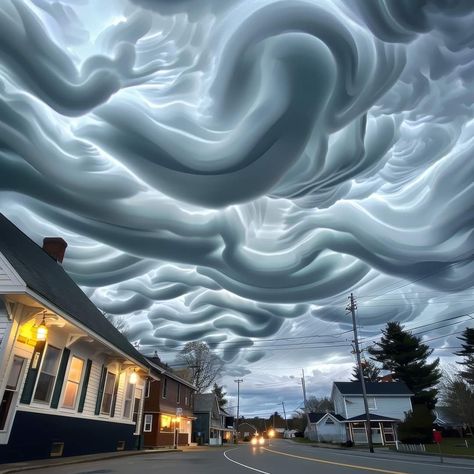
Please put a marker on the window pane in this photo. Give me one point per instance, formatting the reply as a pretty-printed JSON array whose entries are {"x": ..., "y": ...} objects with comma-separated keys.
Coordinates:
[
  {"x": 127, "y": 408},
  {"x": 75, "y": 371},
  {"x": 70, "y": 394},
  {"x": 165, "y": 423},
  {"x": 15, "y": 371},
  {"x": 51, "y": 360},
  {"x": 108, "y": 393},
  {"x": 44, "y": 388}
]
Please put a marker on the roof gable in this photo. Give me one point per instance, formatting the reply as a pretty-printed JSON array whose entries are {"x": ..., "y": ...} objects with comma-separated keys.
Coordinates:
[{"x": 49, "y": 280}]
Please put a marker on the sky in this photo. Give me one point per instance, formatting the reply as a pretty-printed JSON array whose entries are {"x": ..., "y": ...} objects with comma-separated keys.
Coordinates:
[{"x": 229, "y": 171}]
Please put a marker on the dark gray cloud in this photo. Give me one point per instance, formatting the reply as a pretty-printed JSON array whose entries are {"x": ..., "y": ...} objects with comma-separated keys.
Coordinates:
[{"x": 229, "y": 170}]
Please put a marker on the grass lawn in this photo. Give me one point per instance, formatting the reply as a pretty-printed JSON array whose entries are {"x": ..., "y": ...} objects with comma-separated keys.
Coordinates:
[{"x": 453, "y": 446}]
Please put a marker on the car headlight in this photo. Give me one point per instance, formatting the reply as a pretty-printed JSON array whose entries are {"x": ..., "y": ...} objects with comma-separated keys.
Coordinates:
[
  {"x": 254, "y": 441},
  {"x": 261, "y": 440}
]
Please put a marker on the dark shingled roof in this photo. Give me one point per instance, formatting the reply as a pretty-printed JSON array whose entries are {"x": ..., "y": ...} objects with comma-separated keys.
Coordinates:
[
  {"x": 204, "y": 402},
  {"x": 373, "y": 417},
  {"x": 46, "y": 277},
  {"x": 374, "y": 388}
]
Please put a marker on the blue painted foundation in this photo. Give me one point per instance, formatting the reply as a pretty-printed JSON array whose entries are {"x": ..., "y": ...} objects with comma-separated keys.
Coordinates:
[{"x": 33, "y": 435}]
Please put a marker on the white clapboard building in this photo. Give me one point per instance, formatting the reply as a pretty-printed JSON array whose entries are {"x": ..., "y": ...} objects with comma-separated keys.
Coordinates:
[{"x": 70, "y": 383}]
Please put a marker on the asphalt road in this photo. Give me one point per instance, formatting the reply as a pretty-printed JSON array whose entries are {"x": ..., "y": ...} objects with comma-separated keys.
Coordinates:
[{"x": 281, "y": 457}]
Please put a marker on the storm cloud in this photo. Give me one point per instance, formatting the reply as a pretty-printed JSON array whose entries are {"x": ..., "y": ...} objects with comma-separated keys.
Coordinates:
[{"x": 231, "y": 171}]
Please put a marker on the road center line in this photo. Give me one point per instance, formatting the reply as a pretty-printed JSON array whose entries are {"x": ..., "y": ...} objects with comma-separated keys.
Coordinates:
[
  {"x": 323, "y": 461},
  {"x": 243, "y": 465}
]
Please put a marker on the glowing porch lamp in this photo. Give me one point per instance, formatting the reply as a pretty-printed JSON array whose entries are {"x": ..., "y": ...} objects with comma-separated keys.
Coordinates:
[
  {"x": 133, "y": 377},
  {"x": 42, "y": 331}
]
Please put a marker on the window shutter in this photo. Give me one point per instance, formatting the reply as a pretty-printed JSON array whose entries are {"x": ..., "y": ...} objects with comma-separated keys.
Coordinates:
[
  {"x": 60, "y": 378},
  {"x": 100, "y": 392},
  {"x": 114, "y": 399},
  {"x": 85, "y": 384},
  {"x": 32, "y": 374}
]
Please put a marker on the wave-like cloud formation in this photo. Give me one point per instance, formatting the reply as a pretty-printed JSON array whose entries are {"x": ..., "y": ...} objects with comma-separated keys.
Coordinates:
[{"x": 229, "y": 171}]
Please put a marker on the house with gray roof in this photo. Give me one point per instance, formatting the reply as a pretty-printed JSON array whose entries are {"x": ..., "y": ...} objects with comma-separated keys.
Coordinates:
[
  {"x": 388, "y": 402},
  {"x": 209, "y": 425},
  {"x": 70, "y": 382}
]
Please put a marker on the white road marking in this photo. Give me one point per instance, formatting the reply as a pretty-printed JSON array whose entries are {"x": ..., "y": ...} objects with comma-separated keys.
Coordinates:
[{"x": 243, "y": 465}]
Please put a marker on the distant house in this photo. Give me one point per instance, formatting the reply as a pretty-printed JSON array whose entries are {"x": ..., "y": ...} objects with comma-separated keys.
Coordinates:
[
  {"x": 209, "y": 426},
  {"x": 168, "y": 411},
  {"x": 327, "y": 428},
  {"x": 388, "y": 402},
  {"x": 70, "y": 383}
]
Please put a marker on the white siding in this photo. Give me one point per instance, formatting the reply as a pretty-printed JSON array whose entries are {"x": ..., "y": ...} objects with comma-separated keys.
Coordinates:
[
  {"x": 339, "y": 404},
  {"x": 391, "y": 406},
  {"x": 8, "y": 277}
]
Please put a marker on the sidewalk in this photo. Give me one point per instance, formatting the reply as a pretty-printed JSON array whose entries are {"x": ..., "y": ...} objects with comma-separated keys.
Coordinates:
[{"x": 45, "y": 463}]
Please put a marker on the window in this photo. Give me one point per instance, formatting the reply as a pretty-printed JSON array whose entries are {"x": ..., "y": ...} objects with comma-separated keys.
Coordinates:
[
  {"x": 329, "y": 421},
  {"x": 108, "y": 394},
  {"x": 72, "y": 382},
  {"x": 47, "y": 376},
  {"x": 371, "y": 403},
  {"x": 178, "y": 394},
  {"x": 165, "y": 388},
  {"x": 10, "y": 390},
  {"x": 136, "y": 409},
  {"x": 165, "y": 423},
  {"x": 127, "y": 405},
  {"x": 148, "y": 423},
  {"x": 147, "y": 388}
]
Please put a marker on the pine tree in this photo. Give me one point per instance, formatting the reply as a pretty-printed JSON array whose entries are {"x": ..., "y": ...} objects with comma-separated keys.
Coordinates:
[
  {"x": 218, "y": 391},
  {"x": 369, "y": 369},
  {"x": 467, "y": 353},
  {"x": 406, "y": 357}
]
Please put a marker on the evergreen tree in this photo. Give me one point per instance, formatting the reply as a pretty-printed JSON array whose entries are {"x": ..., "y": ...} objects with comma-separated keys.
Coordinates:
[
  {"x": 218, "y": 391},
  {"x": 417, "y": 427},
  {"x": 369, "y": 369},
  {"x": 406, "y": 357},
  {"x": 467, "y": 353}
]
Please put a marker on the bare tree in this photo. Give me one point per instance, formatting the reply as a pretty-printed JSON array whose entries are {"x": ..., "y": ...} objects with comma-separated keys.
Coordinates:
[
  {"x": 203, "y": 366},
  {"x": 457, "y": 396},
  {"x": 119, "y": 322}
]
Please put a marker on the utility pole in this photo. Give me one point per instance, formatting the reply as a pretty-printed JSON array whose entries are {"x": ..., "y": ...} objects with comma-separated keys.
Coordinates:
[
  {"x": 238, "y": 382},
  {"x": 305, "y": 401},
  {"x": 284, "y": 414},
  {"x": 352, "y": 306}
]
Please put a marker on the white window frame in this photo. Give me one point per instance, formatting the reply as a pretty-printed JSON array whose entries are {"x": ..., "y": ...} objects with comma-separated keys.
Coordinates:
[
  {"x": 16, "y": 393},
  {"x": 102, "y": 411},
  {"x": 148, "y": 422},
  {"x": 373, "y": 405},
  {"x": 79, "y": 384},
  {"x": 131, "y": 387},
  {"x": 40, "y": 371}
]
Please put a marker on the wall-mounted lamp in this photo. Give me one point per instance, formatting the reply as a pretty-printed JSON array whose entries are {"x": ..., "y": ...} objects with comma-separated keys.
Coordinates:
[
  {"x": 133, "y": 377},
  {"x": 42, "y": 331}
]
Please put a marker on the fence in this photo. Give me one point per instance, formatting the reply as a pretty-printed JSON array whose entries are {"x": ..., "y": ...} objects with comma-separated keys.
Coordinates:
[{"x": 410, "y": 448}]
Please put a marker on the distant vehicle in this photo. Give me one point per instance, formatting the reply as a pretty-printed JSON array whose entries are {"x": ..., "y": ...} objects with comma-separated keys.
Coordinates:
[{"x": 258, "y": 441}]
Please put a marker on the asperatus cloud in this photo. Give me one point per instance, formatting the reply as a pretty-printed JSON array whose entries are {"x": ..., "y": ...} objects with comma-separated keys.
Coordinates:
[{"x": 232, "y": 170}]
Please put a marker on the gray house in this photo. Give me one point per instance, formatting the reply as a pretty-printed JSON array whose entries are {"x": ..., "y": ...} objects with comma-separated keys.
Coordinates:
[
  {"x": 209, "y": 425},
  {"x": 389, "y": 402}
]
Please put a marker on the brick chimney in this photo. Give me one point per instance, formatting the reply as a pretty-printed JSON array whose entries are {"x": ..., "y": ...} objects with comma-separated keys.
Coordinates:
[{"x": 55, "y": 247}]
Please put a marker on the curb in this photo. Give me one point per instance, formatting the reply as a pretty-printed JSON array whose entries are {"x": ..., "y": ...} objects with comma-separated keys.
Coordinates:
[{"x": 49, "y": 463}]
